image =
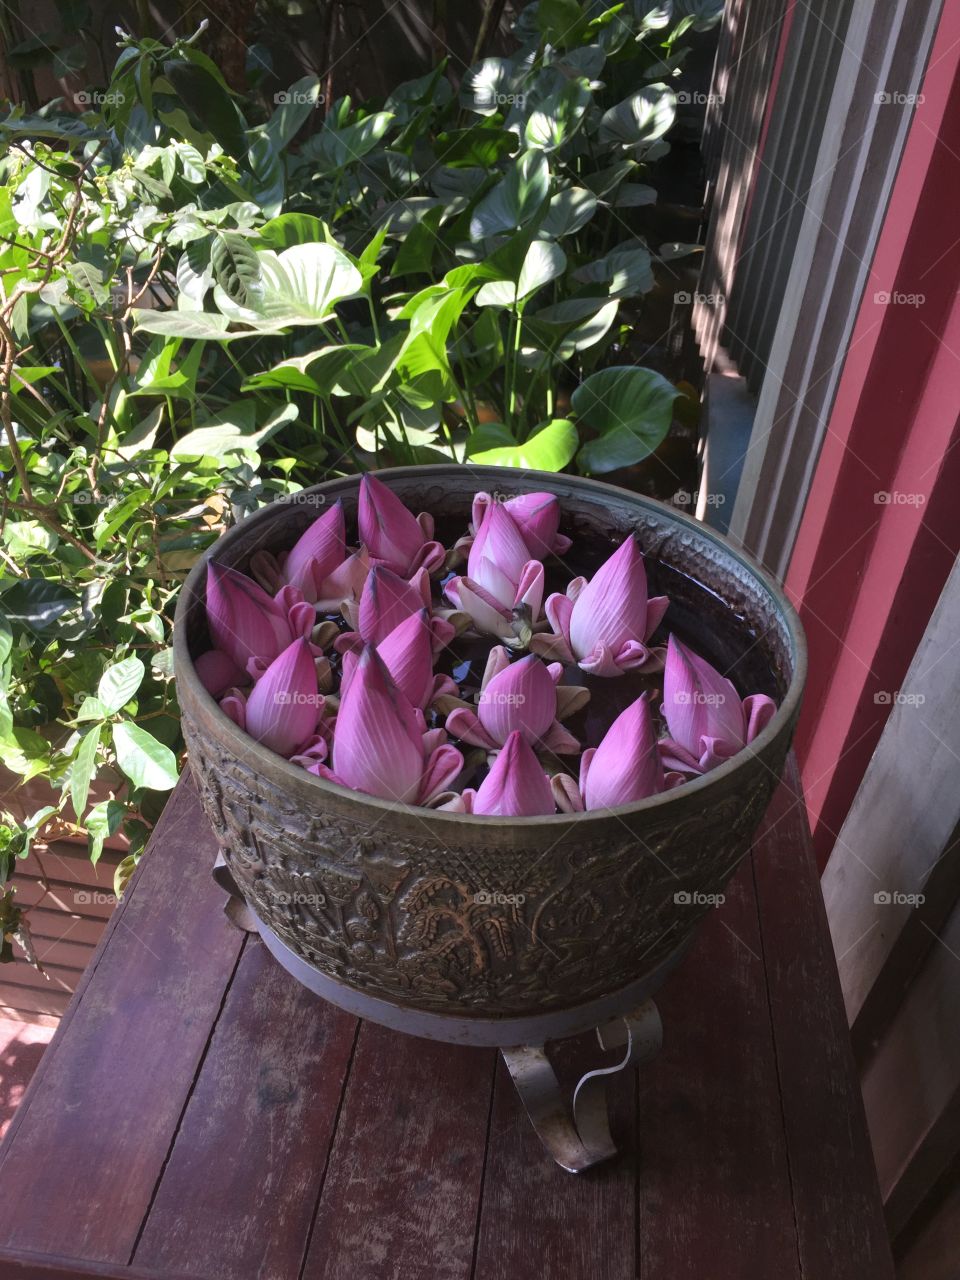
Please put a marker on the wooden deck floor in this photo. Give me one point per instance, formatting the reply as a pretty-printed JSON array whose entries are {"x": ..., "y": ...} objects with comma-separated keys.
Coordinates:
[{"x": 201, "y": 1115}]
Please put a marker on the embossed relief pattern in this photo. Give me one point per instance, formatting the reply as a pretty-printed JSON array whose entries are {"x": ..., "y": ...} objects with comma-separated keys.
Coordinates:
[{"x": 468, "y": 930}]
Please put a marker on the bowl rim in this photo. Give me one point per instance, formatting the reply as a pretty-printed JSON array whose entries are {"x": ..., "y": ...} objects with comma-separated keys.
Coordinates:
[{"x": 244, "y": 746}]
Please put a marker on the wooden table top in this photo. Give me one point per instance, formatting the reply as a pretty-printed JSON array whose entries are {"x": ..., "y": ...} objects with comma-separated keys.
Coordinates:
[{"x": 199, "y": 1114}]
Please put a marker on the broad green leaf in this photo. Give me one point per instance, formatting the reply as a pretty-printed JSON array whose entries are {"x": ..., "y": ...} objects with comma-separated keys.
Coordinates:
[
  {"x": 230, "y": 432},
  {"x": 625, "y": 272},
  {"x": 208, "y": 102},
  {"x": 298, "y": 286},
  {"x": 236, "y": 267},
  {"x": 82, "y": 769},
  {"x": 186, "y": 324},
  {"x": 549, "y": 447},
  {"x": 289, "y": 229},
  {"x": 631, "y": 410},
  {"x": 643, "y": 117},
  {"x": 555, "y": 120},
  {"x": 488, "y": 87},
  {"x": 266, "y": 167},
  {"x": 294, "y": 106},
  {"x": 191, "y": 162},
  {"x": 119, "y": 683},
  {"x": 633, "y": 195},
  {"x": 516, "y": 199},
  {"x": 569, "y": 211},
  {"x": 562, "y": 22},
  {"x": 36, "y": 603},
  {"x": 91, "y": 709},
  {"x": 145, "y": 761},
  {"x": 543, "y": 263},
  {"x": 338, "y": 148}
]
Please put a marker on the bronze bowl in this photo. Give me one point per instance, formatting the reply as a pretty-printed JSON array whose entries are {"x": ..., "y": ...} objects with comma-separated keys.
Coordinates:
[{"x": 477, "y": 929}]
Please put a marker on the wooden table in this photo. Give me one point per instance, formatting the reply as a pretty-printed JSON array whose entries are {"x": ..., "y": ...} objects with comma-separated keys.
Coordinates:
[{"x": 201, "y": 1115}]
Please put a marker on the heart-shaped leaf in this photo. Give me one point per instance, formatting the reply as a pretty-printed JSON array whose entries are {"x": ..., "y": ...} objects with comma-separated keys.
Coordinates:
[
  {"x": 301, "y": 285},
  {"x": 516, "y": 198},
  {"x": 543, "y": 263},
  {"x": 625, "y": 272},
  {"x": 236, "y": 267},
  {"x": 630, "y": 408},
  {"x": 643, "y": 117},
  {"x": 549, "y": 447}
]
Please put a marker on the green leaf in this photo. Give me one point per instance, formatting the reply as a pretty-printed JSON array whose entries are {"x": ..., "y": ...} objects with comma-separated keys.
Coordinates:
[
  {"x": 630, "y": 408},
  {"x": 266, "y": 166},
  {"x": 230, "y": 432},
  {"x": 543, "y": 263},
  {"x": 102, "y": 821},
  {"x": 191, "y": 162},
  {"x": 294, "y": 107},
  {"x": 36, "y": 603},
  {"x": 119, "y": 683},
  {"x": 569, "y": 211},
  {"x": 643, "y": 117},
  {"x": 516, "y": 199},
  {"x": 145, "y": 761},
  {"x": 549, "y": 447},
  {"x": 289, "y": 229},
  {"x": 562, "y": 22},
  {"x": 555, "y": 120},
  {"x": 209, "y": 104},
  {"x": 625, "y": 272},
  {"x": 82, "y": 769},
  {"x": 185, "y": 324},
  {"x": 236, "y": 267},
  {"x": 301, "y": 285}
]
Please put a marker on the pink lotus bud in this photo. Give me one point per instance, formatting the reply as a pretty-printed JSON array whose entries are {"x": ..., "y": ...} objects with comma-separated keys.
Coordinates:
[
  {"x": 381, "y": 745},
  {"x": 501, "y": 576},
  {"x": 407, "y": 653},
  {"x": 604, "y": 624},
  {"x": 218, "y": 672},
  {"x": 625, "y": 768},
  {"x": 519, "y": 696},
  {"x": 319, "y": 550},
  {"x": 537, "y": 516},
  {"x": 386, "y": 601},
  {"x": 707, "y": 721},
  {"x": 392, "y": 535},
  {"x": 284, "y": 706},
  {"x": 516, "y": 785},
  {"x": 248, "y": 624}
]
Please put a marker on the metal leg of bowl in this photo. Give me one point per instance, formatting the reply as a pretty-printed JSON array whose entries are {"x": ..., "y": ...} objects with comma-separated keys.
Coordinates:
[{"x": 577, "y": 1134}]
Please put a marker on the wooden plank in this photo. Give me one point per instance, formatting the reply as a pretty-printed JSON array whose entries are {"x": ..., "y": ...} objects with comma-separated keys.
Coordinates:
[
  {"x": 267, "y": 1100},
  {"x": 714, "y": 1189},
  {"x": 64, "y": 952},
  {"x": 822, "y": 1107},
  {"x": 891, "y": 845},
  {"x": 911, "y": 1086},
  {"x": 538, "y": 1220},
  {"x": 158, "y": 984},
  {"x": 24, "y": 1004},
  {"x": 60, "y": 860},
  {"x": 54, "y": 925},
  {"x": 402, "y": 1189},
  {"x": 19, "y": 1265},
  {"x": 53, "y": 978},
  {"x": 62, "y": 895}
]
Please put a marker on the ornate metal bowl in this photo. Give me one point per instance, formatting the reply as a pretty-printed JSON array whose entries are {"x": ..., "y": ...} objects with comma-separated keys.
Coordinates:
[{"x": 497, "y": 931}]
